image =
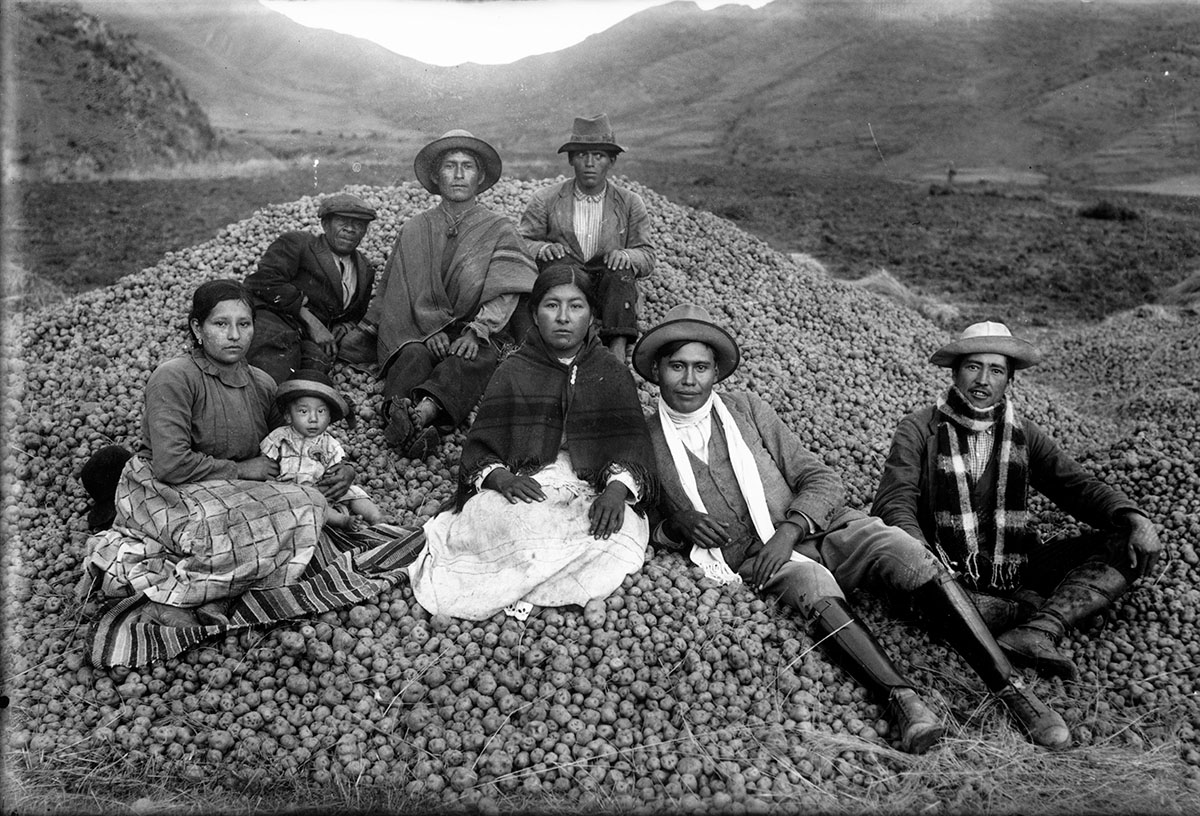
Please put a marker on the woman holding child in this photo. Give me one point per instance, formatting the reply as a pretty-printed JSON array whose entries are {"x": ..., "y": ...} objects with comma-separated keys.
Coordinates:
[
  {"x": 554, "y": 473},
  {"x": 198, "y": 518}
]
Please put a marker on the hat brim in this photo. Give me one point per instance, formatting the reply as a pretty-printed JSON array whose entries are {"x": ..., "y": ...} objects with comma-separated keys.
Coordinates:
[
  {"x": 292, "y": 389},
  {"x": 725, "y": 348},
  {"x": 607, "y": 147},
  {"x": 1021, "y": 352},
  {"x": 423, "y": 163},
  {"x": 361, "y": 216}
]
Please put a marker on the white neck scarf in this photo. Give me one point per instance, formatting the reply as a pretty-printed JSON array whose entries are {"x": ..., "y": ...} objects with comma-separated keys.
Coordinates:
[{"x": 745, "y": 471}]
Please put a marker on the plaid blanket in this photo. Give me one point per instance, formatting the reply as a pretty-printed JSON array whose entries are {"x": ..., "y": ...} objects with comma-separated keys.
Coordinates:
[{"x": 348, "y": 568}]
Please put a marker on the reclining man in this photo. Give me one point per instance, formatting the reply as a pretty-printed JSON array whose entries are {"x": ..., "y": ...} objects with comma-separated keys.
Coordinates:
[
  {"x": 957, "y": 478},
  {"x": 753, "y": 504}
]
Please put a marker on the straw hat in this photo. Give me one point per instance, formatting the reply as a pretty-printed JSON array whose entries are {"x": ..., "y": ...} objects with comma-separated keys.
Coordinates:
[
  {"x": 457, "y": 140},
  {"x": 308, "y": 382},
  {"x": 988, "y": 338},
  {"x": 690, "y": 323}
]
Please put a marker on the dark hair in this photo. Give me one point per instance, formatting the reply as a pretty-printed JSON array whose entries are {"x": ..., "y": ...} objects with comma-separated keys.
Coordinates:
[
  {"x": 612, "y": 154},
  {"x": 441, "y": 157},
  {"x": 557, "y": 273},
  {"x": 209, "y": 294}
]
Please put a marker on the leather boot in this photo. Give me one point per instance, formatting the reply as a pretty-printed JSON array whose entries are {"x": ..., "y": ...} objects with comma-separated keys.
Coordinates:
[
  {"x": 1084, "y": 592},
  {"x": 950, "y": 612},
  {"x": 855, "y": 649}
]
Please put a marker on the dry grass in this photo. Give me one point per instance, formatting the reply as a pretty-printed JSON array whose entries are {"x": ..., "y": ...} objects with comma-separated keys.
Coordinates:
[{"x": 965, "y": 774}]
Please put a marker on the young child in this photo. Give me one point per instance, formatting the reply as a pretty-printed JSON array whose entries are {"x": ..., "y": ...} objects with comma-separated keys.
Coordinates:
[{"x": 304, "y": 448}]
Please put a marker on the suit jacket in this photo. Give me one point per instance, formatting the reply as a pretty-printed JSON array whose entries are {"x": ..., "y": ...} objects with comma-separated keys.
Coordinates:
[
  {"x": 549, "y": 219},
  {"x": 301, "y": 263},
  {"x": 905, "y": 497},
  {"x": 794, "y": 480}
]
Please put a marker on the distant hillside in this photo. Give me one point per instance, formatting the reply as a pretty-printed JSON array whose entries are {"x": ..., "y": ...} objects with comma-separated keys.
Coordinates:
[
  {"x": 94, "y": 100},
  {"x": 1092, "y": 92}
]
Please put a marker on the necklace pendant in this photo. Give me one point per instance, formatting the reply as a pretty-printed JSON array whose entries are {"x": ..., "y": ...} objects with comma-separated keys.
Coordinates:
[{"x": 452, "y": 232}]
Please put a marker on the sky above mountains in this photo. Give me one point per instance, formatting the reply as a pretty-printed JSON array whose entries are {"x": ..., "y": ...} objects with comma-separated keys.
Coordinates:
[{"x": 449, "y": 32}]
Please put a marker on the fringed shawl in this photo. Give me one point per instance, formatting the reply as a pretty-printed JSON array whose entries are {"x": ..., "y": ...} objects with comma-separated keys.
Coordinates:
[
  {"x": 432, "y": 279},
  {"x": 971, "y": 529},
  {"x": 530, "y": 399}
]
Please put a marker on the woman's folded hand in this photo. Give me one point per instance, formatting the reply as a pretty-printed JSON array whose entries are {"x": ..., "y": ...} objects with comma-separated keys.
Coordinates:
[
  {"x": 607, "y": 512},
  {"x": 258, "y": 469},
  {"x": 514, "y": 488}
]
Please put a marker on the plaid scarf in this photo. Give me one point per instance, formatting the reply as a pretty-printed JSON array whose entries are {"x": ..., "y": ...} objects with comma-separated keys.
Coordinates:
[
  {"x": 533, "y": 397},
  {"x": 963, "y": 534}
]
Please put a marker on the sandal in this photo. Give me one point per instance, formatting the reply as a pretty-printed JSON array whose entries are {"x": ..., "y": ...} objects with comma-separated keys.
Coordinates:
[
  {"x": 399, "y": 431},
  {"x": 425, "y": 442}
]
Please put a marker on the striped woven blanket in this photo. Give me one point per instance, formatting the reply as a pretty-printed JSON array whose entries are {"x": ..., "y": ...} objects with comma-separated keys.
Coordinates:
[{"x": 349, "y": 568}]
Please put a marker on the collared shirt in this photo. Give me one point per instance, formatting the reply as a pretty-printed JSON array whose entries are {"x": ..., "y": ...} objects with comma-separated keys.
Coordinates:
[
  {"x": 589, "y": 218},
  {"x": 349, "y": 279},
  {"x": 979, "y": 451}
]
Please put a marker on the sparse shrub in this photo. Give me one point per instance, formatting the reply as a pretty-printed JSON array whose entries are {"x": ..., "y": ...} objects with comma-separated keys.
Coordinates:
[{"x": 1105, "y": 210}]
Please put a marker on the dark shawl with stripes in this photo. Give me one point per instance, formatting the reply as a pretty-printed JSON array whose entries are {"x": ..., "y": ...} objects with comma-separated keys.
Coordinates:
[{"x": 532, "y": 398}]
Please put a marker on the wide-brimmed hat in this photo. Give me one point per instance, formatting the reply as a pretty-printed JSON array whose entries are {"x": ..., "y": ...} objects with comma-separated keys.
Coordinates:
[
  {"x": 592, "y": 133},
  {"x": 346, "y": 204},
  {"x": 988, "y": 338},
  {"x": 457, "y": 140},
  {"x": 99, "y": 476},
  {"x": 308, "y": 382},
  {"x": 690, "y": 323}
]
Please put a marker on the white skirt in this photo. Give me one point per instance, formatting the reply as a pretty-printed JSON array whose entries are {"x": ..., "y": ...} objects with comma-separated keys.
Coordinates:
[{"x": 494, "y": 554}]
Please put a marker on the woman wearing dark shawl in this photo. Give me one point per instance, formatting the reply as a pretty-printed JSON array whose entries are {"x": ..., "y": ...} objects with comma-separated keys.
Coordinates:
[{"x": 554, "y": 474}]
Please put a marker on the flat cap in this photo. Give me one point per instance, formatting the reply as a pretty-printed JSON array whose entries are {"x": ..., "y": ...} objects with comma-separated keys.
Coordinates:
[{"x": 346, "y": 204}]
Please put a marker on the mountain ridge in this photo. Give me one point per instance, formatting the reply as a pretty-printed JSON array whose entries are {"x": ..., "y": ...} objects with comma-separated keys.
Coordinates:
[{"x": 1088, "y": 92}]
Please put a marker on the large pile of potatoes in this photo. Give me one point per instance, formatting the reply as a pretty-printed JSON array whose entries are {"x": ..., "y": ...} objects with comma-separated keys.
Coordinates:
[{"x": 672, "y": 693}]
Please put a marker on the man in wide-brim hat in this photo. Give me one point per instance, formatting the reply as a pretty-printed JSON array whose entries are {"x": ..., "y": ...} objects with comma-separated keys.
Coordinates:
[
  {"x": 440, "y": 314},
  {"x": 603, "y": 226},
  {"x": 310, "y": 289},
  {"x": 957, "y": 479},
  {"x": 751, "y": 503}
]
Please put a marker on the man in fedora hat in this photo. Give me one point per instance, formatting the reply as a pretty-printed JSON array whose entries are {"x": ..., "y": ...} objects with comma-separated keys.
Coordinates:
[
  {"x": 601, "y": 225},
  {"x": 957, "y": 478},
  {"x": 751, "y": 503},
  {"x": 451, "y": 283},
  {"x": 309, "y": 290}
]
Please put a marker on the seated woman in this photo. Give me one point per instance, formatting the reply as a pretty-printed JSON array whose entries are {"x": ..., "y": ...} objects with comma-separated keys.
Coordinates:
[
  {"x": 554, "y": 473},
  {"x": 197, "y": 520}
]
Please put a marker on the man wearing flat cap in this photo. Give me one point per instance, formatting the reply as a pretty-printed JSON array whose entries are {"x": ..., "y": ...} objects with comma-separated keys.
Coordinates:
[
  {"x": 444, "y": 301},
  {"x": 957, "y": 479},
  {"x": 601, "y": 225},
  {"x": 309, "y": 290},
  {"x": 747, "y": 499}
]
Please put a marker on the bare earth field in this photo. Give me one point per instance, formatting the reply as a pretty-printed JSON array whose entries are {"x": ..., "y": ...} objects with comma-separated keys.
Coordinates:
[{"x": 1017, "y": 252}]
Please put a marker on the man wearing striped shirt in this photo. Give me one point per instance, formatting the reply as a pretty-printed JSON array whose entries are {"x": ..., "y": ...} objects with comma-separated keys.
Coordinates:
[{"x": 601, "y": 225}]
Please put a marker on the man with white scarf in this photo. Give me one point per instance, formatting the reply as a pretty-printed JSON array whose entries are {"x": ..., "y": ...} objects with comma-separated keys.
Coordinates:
[
  {"x": 750, "y": 503},
  {"x": 957, "y": 479}
]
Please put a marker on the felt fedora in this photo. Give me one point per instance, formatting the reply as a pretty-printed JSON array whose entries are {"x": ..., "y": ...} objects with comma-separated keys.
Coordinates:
[
  {"x": 457, "y": 140},
  {"x": 592, "y": 133},
  {"x": 988, "y": 338},
  {"x": 308, "y": 382},
  {"x": 346, "y": 204},
  {"x": 691, "y": 323}
]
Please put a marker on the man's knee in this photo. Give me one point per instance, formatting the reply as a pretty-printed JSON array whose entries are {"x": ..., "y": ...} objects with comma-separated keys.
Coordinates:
[{"x": 799, "y": 584}]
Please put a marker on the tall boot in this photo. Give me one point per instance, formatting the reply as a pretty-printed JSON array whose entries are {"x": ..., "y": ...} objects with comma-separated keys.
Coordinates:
[
  {"x": 949, "y": 610},
  {"x": 1085, "y": 591},
  {"x": 855, "y": 649}
]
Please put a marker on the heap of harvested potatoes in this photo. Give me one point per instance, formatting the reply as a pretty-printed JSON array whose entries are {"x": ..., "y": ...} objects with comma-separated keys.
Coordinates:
[{"x": 672, "y": 692}]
